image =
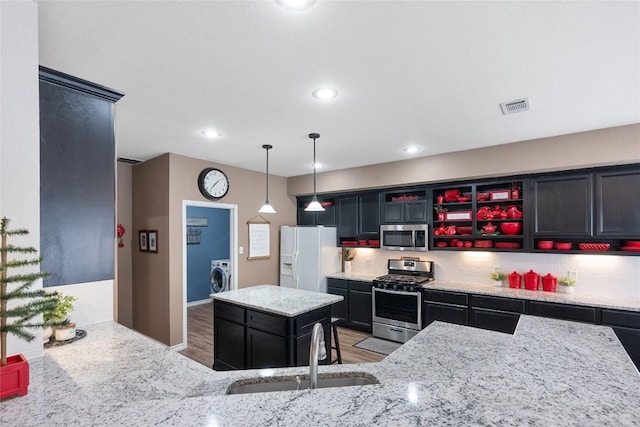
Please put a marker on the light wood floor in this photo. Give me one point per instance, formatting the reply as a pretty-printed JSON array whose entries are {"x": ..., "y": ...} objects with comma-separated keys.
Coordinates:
[{"x": 200, "y": 339}]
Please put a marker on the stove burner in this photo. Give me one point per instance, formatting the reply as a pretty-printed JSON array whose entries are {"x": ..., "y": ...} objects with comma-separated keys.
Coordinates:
[{"x": 400, "y": 282}]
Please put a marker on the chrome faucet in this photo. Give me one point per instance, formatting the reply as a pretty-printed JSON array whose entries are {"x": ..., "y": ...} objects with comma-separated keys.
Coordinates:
[{"x": 317, "y": 351}]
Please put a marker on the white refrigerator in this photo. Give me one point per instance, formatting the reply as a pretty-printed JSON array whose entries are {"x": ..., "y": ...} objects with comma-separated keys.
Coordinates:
[{"x": 307, "y": 255}]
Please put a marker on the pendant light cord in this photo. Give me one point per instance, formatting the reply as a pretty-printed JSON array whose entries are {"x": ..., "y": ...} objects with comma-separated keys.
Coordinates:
[{"x": 314, "y": 166}]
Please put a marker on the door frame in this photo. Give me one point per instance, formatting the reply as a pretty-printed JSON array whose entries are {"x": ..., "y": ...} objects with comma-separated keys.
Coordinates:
[{"x": 233, "y": 250}]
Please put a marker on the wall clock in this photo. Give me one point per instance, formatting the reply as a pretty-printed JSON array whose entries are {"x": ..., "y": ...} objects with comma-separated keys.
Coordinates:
[{"x": 213, "y": 183}]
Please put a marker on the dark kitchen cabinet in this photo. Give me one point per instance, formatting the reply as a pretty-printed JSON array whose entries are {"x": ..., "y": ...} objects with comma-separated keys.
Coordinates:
[
  {"x": 355, "y": 312},
  {"x": 250, "y": 339},
  {"x": 404, "y": 207},
  {"x": 617, "y": 204},
  {"x": 77, "y": 179},
  {"x": 563, "y": 311},
  {"x": 326, "y": 217},
  {"x": 495, "y": 313},
  {"x": 358, "y": 217},
  {"x": 444, "y": 306},
  {"x": 626, "y": 325},
  {"x": 563, "y": 206}
]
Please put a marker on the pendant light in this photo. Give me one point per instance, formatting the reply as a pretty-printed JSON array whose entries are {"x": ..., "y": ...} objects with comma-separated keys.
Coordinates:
[
  {"x": 314, "y": 206},
  {"x": 267, "y": 208}
]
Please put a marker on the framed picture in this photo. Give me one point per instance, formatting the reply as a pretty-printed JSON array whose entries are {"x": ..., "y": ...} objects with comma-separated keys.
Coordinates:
[
  {"x": 142, "y": 238},
  {"x": 152, "y": 237}
]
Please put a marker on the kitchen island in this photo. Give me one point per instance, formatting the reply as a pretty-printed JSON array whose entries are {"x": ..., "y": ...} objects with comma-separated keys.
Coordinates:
[
  {"x": 268, "y": 326},
  {"x": 549, "y": 373}
]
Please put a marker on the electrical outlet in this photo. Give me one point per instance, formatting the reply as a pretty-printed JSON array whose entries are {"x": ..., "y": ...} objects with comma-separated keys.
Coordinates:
[
  {"x": 241, "y": 250},
  {"x": 573, "y": 275}
]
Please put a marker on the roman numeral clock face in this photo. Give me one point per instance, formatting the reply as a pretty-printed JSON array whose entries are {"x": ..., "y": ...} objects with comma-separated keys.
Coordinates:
[{"x": 213, "y": 183}]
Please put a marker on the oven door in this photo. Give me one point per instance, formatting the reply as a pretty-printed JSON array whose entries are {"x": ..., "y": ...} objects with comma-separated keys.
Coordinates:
[{"x": 397, "y": 308}]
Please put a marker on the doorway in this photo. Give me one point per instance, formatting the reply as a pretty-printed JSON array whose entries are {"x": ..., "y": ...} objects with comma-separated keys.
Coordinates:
[{"x": 192, "y": 225}]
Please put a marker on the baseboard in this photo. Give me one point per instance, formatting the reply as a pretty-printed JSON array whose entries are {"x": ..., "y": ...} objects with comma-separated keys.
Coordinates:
[
  {"x": 200, "y": 302},
  {"x": 178, "y": 347}
]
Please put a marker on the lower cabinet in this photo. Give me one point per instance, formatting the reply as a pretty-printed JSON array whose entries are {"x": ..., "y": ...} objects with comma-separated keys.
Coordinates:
[
  {"x": 355, "y": 311},
  {"x": 495, "y": 313},
  {"x": 444, "y": 306},
  {"x": 251, "y": 339},
  {"x": 626, "y": 325},
  {"x": 563, "y": 311}
]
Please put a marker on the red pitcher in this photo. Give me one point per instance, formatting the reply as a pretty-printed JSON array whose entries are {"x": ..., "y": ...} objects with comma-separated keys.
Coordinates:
[
  {"x": 531, "y": 280},
  {"x": 549, "y": 283},
  {"x": 515, "y": 280}
]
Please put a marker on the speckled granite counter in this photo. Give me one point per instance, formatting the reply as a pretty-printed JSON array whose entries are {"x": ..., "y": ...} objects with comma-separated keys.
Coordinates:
[
  {"x": 278, "y": 300},
  {"x": 549, "y": 373},
  {"x": 632, "y": 304},
  {"x": 361, "y": 277}
]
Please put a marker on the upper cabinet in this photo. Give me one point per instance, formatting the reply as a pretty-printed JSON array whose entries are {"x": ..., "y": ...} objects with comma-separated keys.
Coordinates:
[
  {"x": 483, "y": 215},
  {"x": 403, "y": 207},
  {"x": 563, "y": 205},
  {"x": 359, "y": 219},
  {"x": 617, "y": 204},
  {"x": 326, "y": 217}
]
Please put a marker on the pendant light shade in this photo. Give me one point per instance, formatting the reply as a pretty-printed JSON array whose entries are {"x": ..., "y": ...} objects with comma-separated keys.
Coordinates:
[
  {"x": 267, "y": 208},
  {"x": 314, "y": 206}
]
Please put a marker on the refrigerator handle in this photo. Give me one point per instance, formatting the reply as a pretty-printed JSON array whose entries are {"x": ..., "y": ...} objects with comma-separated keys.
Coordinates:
[{"x": 294, "y": 262}]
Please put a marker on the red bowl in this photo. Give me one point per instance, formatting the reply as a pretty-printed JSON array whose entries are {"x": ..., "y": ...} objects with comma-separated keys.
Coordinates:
[
  {"x": 463, "y": 199},
  {"x": 441, "y": 244},
  {"x": 562, "y": 246},
  {"x": 511, "y": 227},
  {"x": 634, "y": 243},
  {"x": 545, "y": 244},
  {"x": 482, "y": 197}
]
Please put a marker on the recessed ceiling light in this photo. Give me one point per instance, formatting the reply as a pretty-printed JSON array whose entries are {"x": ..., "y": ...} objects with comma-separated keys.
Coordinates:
[
  {"x": 211, "y": 133},
  {"x": 411, "y": 149},
  {"x": 296, "y": 4},
  {"x": 325, "y": 93}
]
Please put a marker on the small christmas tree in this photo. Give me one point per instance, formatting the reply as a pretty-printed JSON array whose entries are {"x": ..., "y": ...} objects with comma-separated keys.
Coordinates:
[{"x": 39, "y": 301}]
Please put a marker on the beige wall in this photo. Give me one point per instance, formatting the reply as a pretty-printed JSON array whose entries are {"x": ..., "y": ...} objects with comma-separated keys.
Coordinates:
[
  {"x": 150, "y": 211},
  {"x": 612, "y": 146},
  {"x": 124, "y": 273},
  {"x": 159, "y": 187}
]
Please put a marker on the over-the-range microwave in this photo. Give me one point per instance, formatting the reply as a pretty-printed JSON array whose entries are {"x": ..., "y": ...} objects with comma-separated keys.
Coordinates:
[{"x": 404, "y": 237}]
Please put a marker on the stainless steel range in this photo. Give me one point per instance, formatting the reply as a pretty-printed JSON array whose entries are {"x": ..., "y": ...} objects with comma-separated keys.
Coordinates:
[{"x": 397, "y": 299}]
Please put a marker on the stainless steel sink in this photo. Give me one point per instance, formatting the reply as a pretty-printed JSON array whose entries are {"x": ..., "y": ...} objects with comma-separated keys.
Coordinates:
[{"x": 266, "y": 384}]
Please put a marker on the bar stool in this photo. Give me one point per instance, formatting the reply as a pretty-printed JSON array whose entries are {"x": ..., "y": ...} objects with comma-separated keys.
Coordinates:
[{"x": 334, "y": 329}]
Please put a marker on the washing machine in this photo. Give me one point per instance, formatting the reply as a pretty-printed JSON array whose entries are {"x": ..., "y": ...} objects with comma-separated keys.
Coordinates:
[{"x": 220, "y": 275}]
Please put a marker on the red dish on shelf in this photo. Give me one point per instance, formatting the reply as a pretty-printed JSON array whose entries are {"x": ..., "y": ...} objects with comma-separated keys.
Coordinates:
[
  {"x": 594, "y": 246},
  {"x": 545, "y": 244},
  {"x": 464, "y": 230},
  {"x": 562, "y": 246},
  {"x": 451, "y": 195},
  {"x": 507, "y": 245},
  {"x": 349, "y": 243},
  {"x": 374, "y": 242},
  {"x": 511, "y": 228},
  {"x": 482, "y": 244},
  {"x": 633, "y": 243},
  {"x": 482, "y": 197},
  {"x": 630, "y": 248},
  {"x": 441, "y": 244}
]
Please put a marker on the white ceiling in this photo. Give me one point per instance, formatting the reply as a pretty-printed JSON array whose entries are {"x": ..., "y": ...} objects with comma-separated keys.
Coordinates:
[{"x": 411, "y": 72}]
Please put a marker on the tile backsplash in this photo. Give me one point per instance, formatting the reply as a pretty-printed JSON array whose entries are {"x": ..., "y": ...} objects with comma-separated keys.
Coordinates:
[{"x": 606, "y": 275}]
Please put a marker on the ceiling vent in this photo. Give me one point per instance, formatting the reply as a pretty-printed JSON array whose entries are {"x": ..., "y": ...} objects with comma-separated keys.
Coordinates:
[
  {"x": 515, "y": 106},
  {"x": 129, "y": 161}
]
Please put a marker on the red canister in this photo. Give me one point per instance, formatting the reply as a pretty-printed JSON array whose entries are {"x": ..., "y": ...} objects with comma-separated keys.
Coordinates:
[
  {"x": 515, "y": 280},
  {"x": 531, "y": 280},
  {"x": 549, "y": 283}
]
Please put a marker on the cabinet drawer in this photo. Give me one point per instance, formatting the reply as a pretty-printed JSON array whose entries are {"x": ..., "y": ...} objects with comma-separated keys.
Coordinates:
[
  {"x": 566, "y": 312},
  {"x": 446, "y": 297},
  {"x": 497, "y": 303},
  {"x": 305, "y": 322},
  {"x": 621, "y": 318},
  {"x": 228, "y": 311},
  {"x": 267, "y": 322},
  {"x": 449, "y": 313},
  {"x": 360, "y": 286},
  {"x": 493, "y": 320},
  {"x": 337, "y": 283}
]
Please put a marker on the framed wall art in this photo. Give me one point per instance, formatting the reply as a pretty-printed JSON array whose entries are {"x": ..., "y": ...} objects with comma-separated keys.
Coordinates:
[
  {"x": 152, "y": 240},
  {"x": 142, "y": 239}
]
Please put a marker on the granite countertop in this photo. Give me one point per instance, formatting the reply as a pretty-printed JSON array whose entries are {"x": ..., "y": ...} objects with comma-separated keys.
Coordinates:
[
  {"x": 620, "y": 303},
  {"x": 632, "y": 304},
  {"x": 278, "y": 300},
  {"x": 549, "y": 373}
]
